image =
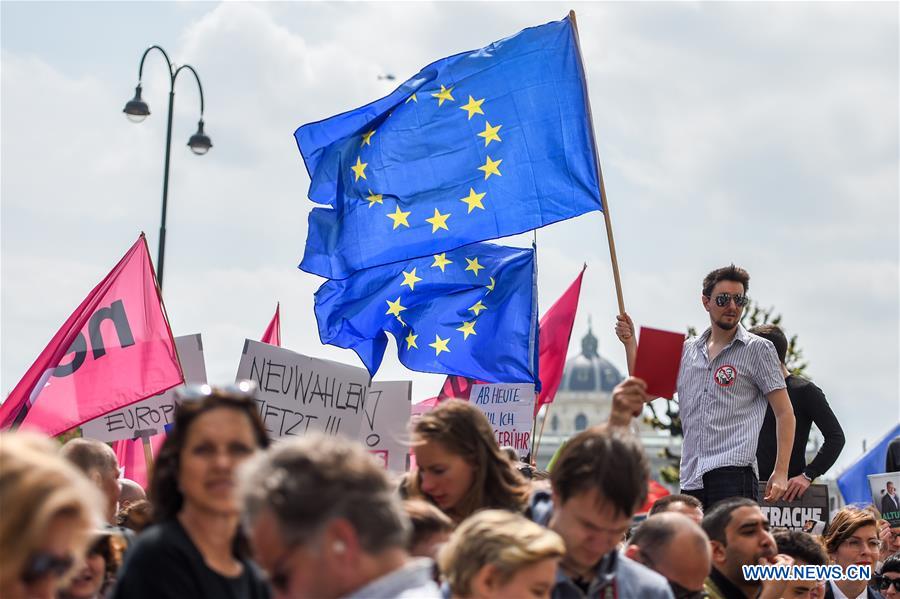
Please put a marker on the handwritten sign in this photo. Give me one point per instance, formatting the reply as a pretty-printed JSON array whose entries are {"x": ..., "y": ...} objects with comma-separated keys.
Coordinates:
[
  {"x": 151, "y": 415},
  {"x": 510, "y": 409},
  {"x": 298, "y": 394},
  {"x": 809, "y": 513},
  {"x": 385, "y": 418}
]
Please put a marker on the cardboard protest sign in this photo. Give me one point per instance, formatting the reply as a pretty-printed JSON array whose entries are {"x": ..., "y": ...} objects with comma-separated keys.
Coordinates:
[
  {"x": 886, "y": 496},
  {"x": 298, "y": 394},
  {"x": 385, "y": 419},
  {"x": 154, "y": 413},
  {"x": 510, "y": 409},
  {"x": 809, "y": 513},
  {"x": 658, "y": 359}
]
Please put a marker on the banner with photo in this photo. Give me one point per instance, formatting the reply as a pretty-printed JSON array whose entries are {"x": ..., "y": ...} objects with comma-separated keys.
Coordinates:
[{"x": 886, "y": 496}]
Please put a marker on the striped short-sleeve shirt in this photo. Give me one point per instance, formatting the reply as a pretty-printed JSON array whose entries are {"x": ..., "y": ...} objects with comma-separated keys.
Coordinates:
[{"x": 722, "y": 403}]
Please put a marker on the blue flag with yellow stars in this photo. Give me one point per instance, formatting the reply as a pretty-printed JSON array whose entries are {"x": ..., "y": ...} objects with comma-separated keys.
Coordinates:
[
  {"x": 477, "y": 146},
  {"x": 470, "y": 312}
]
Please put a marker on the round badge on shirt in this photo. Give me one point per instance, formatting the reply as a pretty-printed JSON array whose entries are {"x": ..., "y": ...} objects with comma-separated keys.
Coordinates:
[{"x": 725, "y": 375}]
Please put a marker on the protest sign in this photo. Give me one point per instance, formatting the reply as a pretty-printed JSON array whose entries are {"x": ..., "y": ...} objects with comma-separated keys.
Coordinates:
[
  {"x": 510, "y": 409},
  {"x": 154, "y": 413},
  {"x": 886, "y": 496},
  {"x": 658, "y": 359},
  {"x": 384, "y": 427},
  {"x": 298, "y": 394},
  {"x": 808, "y": 513}
]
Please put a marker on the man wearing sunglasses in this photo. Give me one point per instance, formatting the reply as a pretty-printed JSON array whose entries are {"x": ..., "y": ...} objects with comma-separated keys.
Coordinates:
[
  {"x": 888, "y": 582},
  {"x": 727, "y": 378}
]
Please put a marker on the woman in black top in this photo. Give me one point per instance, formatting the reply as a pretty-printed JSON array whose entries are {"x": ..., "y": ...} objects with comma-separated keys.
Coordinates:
[{"x": 195, "y": 549}]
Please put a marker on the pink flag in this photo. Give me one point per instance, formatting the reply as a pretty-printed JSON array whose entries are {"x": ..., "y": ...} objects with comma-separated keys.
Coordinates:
[
  {"x": 133, "y": 460},
  {"x": 456, "y": 387},
  {"x": 272, "y": 336},
  {"x": 556, "y": 330},
  {"x": 114, "y": 350}
]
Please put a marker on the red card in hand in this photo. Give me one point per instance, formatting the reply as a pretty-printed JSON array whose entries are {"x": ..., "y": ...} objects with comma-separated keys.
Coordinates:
[{"x": 658, "y": 360}]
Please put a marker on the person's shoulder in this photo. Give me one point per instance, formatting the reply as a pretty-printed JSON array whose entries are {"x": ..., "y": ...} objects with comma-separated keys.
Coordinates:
[
  {"x": 163, "y": 541},
  {"x": 803, "y": 385},
  {"x": 637, "y": 580}
]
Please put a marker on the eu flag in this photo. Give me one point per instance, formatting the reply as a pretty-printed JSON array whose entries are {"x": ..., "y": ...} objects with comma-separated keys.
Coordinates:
[
  {"x": 470, "y": 312},
  {"x": 476, "y": 146}
]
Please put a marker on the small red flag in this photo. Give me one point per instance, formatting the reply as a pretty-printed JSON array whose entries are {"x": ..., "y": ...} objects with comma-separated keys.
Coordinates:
[
  {"x": 133, "y": 459},
  {"x": 556, "y": 331},
  {"x": 655, "y": 492},
  {"x": 114, "y": 350},
  {"x": 456, "y": 387},
  {"x": 272, "y": 336}
]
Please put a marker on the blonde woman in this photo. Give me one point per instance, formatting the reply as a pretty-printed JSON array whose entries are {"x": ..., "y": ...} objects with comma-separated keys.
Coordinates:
[
  {"x": 48, "y": 513},
  {"x": 497, "y": 554}
]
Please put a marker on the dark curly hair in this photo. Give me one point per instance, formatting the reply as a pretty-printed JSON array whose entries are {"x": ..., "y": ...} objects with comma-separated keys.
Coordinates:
[{"x": 164, "y": 493}]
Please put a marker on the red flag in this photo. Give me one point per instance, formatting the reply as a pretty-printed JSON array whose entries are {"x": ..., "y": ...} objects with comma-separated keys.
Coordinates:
[
  {"x": 556, "y": 331},
  {"x": 119, "y": 348},
  {"x": 456, "y": 387},
  {"x": 133, "y": 459},
  {"x": 272, "y": 336},
  {"x": 655, "y": 491}
]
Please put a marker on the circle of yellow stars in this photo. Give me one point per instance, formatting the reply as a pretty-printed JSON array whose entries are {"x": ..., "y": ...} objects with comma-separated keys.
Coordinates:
[{"x": 438, "y": 221}]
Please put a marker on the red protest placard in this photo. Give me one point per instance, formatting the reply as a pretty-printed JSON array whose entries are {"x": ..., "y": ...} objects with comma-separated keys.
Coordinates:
[{"x": 658, "y": 360}]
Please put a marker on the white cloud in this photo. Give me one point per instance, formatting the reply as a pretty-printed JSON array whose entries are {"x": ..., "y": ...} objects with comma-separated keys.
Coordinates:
[{"x": 765, "y": 134}]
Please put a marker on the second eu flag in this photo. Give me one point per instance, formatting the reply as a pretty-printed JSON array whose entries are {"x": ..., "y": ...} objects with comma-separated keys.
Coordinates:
[
  {"x": 471, "y": 312},
  {"x": 476, "y": 146}
]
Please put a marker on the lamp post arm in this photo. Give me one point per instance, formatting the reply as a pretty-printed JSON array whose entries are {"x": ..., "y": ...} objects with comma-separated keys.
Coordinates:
[
  {"x": 168, "y": 65},
  {"x": 197, "y": 77}
]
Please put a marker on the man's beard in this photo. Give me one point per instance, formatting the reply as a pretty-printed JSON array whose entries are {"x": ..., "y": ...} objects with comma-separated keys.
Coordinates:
[{"x": 727, "y": 326}]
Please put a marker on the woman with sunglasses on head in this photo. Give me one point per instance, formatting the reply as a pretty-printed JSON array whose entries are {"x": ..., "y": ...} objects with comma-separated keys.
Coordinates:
[
  {"x": 97, "y": 574},
  {"x": 459, "y": 465},
  {"x": 196, "y": 549},
  {"x": 47, "y": 511}
]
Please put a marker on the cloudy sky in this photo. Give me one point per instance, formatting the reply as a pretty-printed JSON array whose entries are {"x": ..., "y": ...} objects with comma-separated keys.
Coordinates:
[{"x": 760, "y": 134}]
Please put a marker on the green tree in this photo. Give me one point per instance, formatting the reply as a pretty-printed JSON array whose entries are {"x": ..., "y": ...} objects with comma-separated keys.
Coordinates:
[{"x": 670, "y": 420}]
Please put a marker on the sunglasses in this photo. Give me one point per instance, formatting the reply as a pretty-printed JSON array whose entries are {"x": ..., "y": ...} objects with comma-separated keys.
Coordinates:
[
  {"x": 883, "y": 583},
  {"x": 241, "y": 390},
  {"x": 42, "y": 564},
  {"x": 739, "y": 300}
]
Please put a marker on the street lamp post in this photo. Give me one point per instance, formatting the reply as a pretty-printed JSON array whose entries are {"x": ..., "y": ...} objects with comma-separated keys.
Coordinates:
[{"x": 137, "y": 110}]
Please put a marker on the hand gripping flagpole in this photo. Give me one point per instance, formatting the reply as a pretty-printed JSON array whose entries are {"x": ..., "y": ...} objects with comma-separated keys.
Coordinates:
[{"x": 603, "y": 199}]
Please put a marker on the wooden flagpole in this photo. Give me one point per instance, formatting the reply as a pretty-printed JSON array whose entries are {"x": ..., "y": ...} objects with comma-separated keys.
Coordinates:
[
  {"x": 541, "y": 434},
  {"x": 603, "y": 198}
]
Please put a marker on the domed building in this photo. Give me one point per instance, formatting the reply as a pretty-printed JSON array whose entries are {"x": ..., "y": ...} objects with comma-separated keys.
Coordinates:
[{"x": 584, "y": 399}]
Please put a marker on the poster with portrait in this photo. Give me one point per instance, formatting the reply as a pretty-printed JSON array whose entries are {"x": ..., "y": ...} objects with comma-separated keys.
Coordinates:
[{"x": 886, "y": 496}]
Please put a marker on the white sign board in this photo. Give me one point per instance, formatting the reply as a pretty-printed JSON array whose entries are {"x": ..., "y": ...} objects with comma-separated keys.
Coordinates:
[
  {"x": 510, "y": 409},
  {"x": 298, "y": 394},
  {"x": 386, "y": 417},
  {"x": 153, "y": 413}
]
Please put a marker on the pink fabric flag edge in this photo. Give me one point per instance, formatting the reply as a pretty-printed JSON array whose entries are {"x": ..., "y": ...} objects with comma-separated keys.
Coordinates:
[
  {"x": 272, "y": 336},
  {"x": 22, "y": 397},
  {"x": 556, "y": 333}
]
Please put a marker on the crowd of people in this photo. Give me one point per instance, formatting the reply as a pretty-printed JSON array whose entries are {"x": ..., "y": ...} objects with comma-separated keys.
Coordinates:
[{"x": 230, "y": 514}]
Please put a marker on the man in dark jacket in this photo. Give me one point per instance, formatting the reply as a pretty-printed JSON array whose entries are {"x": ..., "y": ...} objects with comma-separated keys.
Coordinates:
[{"x": 810, "y": 407}]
